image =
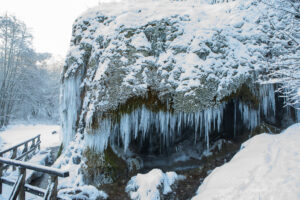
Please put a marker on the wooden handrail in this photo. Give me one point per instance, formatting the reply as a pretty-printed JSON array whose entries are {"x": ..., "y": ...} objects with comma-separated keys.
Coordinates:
[
  {"x": 28, "y": 188},
  {"x": 27, "y": 152},
  {"x": 20, "y": 144},
  {"x": 35, "y": 167},
  {"x": 19, "y": 186}
]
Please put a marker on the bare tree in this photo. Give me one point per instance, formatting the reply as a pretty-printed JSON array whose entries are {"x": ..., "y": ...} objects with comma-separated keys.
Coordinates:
[
  {"x": 14, "y": 42},
  {"x": 27, "y": 88}
]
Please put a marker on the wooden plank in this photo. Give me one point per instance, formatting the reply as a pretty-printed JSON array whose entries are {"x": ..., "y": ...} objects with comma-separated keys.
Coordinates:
[
  {"x": 5, "y": 167},
  {"x": 16, "y": 188},
  {"x": 47, "y": 194},
  {"x": 7, "y": 181},
  {"x": 22, "y": 172},
  {"x": 35, "y": 190},
  {"x": 27, "y": 152},
  {"x": 20, "y": 144},
  {"x": 53, "y": 192},
  {"x": 35, "y": 167},
  {"x": 28, "y": 188}
]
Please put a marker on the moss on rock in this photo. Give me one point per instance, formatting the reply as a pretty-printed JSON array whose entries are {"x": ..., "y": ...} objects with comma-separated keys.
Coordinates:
[{"x": 102, "y": 168}]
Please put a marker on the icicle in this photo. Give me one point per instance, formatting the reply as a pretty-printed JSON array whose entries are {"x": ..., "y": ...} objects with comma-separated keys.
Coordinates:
[
  {"x": 234, "y": 119},
  {"x": 298, "y": 114},
  {"x": 207, "y": 123},
  {"x": 179, "y": 122},
  {"x": 197, "y": 116},
  {"x": 267, "y": 95},
  {"x": 135, "y": 120},
  {"x": 145, "y": 121},
  {"x": 164, "y": 123},
  {"x": 250, "y": 116},
  {"x": 70, "y": 103},
  {"x": 99, "y": 138},
  {"x": 125, "y": 130}
]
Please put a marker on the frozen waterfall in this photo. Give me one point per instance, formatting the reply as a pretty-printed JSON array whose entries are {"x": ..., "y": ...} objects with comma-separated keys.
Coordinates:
[{"x": 142, "y": 123}]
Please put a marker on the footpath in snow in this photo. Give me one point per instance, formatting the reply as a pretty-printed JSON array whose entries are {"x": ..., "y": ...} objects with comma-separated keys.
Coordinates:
[{"x": 266, "y": 167}]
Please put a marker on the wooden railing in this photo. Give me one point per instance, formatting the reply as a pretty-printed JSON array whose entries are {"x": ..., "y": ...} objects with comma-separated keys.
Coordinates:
[
  {"x": 35, "y": 144},
  {"x": 19, "y": 185}
]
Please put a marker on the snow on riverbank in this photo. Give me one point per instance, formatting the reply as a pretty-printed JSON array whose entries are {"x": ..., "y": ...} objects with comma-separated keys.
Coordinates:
[
  {"x": 266, "y": 167},
  {"x": 18, "y": 133}
]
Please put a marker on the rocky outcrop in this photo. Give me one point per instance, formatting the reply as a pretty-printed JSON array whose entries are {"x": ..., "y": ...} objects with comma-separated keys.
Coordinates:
[{"x": 146, "y": 76}]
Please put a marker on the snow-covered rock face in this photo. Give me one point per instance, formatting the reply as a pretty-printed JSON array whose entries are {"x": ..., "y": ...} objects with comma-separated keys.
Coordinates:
[{"x": 167, "y": 71}]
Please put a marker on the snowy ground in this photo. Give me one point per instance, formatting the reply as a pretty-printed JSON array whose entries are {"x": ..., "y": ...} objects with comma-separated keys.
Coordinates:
[
  {"x": 18, "y": 133},
  {"x": 267, "y": 167}
]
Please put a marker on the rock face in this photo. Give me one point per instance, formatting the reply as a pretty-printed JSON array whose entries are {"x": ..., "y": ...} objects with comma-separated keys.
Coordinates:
[{"x": 145, "y": 76}]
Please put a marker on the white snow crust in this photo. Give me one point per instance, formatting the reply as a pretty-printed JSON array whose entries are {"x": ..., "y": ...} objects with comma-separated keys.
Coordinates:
[
  {"x": 147, "y": 186},
  {"x": 266, "y": 167},
  {"x": 15, "y": 134}
]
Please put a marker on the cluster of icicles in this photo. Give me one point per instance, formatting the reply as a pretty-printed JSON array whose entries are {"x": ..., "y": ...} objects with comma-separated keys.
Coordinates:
[{"x": 169, "y": 125}]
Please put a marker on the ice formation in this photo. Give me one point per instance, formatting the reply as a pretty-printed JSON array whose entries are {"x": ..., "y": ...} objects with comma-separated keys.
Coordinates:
[
  {"x": 191, "y": 53},
  {"x": 70, "y": 104},
  {"x": 169, "y": 126},
  {"x": 267, "y": 95}
]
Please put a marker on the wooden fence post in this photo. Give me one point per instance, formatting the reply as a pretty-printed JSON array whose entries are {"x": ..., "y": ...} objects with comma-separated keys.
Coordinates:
[
  {"x": 54, "y": 181},
  {"x": 0, "y": 177},
  {"x": 32, "y": 144},
  {"x": 25, "y": 150},
  {"x": 39, "y": 140},
  {"x": 22, "y": 171},
  {"x": 51, "y": 193},
  {"x": 13, "y": 156}
]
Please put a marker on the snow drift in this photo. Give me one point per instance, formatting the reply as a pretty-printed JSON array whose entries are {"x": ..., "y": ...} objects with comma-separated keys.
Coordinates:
[{"x": 266, "y": 167}]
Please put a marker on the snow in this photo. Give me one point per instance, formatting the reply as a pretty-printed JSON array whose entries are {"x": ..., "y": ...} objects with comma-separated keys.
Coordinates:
[
  {"x": 73, "y": 187},
  {"x": 191, "y": 53},
  {"x": 82, "y": 192},
  {"x": 147, "y": 186},
  {"x": 266, "y": 167},
  {"x": 16, "y": 134}
]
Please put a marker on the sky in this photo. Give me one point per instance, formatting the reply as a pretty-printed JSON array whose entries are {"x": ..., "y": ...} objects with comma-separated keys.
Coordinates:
[{"x": 50, "y": 21}]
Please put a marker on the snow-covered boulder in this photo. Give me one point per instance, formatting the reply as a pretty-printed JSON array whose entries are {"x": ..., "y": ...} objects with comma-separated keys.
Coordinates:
[
  {"x": 188, "y": 56},
  {"x": 152, "y": 185}
]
